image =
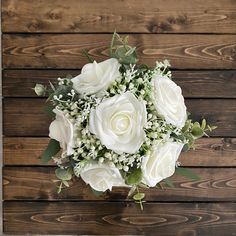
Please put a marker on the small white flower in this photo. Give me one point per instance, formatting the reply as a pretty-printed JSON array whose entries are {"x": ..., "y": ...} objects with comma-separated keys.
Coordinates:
[
  {"x": 160, "y": 164},
  {"x": 101, "y": 176},
  {"x": 95, "y": 77},
  {"x": 169, "y": 101},
  {"x": 119, "y": 123},
  {"x": 62, "y": 130}
]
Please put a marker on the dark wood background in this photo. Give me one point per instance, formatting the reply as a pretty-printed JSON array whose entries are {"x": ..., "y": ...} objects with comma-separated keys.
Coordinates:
[{"x": 42, "y": 39}]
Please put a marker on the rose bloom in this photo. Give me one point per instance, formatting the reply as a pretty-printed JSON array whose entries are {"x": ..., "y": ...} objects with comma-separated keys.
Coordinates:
[
  {"x": 95, "y": 77},
  {"x": 101, "y": 176},
  {"x": 168, "y": 101},
  {"x": 62, "y": 130},
  {"x": 118, "y": 122},
  {"x": 160, "y": 164}
]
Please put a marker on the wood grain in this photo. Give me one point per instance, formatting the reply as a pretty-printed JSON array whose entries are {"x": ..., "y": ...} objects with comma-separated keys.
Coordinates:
[
  {"x": 90, "y": 218},
  {"x": 65, "y": 50},
  {"x": 149, "y": 16},
  {"x": 36, "y": 183},
  {"x": 43, "y": 40},
  {"x": 25, "y": 117},
  {"x": 24, "y": 151},
  {"x": 195, "y": 84},
  {"x": 214, "y": 152}
]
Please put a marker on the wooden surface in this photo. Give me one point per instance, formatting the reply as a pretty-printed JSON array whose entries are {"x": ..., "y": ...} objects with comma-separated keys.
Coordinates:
[
  {"x": 194, "y": 83},
  {"x": 65, "y": 51},
  {"x": 42, "y": 40},
  {"x": 114, "y": 218},
  {"x": 34, "y": 122},
  {"x": 133, "y": 16}
]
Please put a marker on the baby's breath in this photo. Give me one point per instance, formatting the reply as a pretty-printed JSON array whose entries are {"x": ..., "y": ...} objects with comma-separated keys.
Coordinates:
[{"x": 77, "y": 109}]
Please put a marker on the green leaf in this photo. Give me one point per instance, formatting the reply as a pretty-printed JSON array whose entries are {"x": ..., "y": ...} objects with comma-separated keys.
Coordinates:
[
  {"x": 120, "y": 50},
  {"x": 197, "y": 131},
  {"x": 52, "y": 149},
  {"x": 59, "y": 188},
  {"x": 52, "y": 86},
  {"x": 96, "y": 193},
  {"x": 139, "y": 196},
  {"x": 203, "y": 126},
  {"x": 131, "y": 191},
  {"x": 49, "y": 111},
  {"x": 187, "y": 173},
  {"x": 169, "y": 183},
  {"x": 211, "y": 127},
  {"x": 65, "y": 183},
  {"x": 112, "y": 43},
  {"x": 130, "y": 51},
  {"x": 185, "y": 148},
  {"x": 135, "y": 177},
  {"x": 90, "y": 59},
  {"x": 186, "y": 126},
  {"x": 63, "y": 174}
]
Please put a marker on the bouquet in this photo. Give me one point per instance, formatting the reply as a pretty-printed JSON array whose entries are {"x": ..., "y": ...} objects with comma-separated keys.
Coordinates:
[{"x": 119, "y": 123}]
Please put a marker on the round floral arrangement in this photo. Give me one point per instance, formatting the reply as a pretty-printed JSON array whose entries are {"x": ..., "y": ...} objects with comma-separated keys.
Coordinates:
[{"x": 119, "y": 123}]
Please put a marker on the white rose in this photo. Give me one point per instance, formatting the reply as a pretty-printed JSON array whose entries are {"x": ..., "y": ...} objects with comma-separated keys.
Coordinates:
[
  {"x": 62, "y": 130},
  {"x": 101, "y": 176},
  {"x": 161, "y": 162},
  {"x": 96, "y": 77},
  {"x": 118, "y": 122},
  {"x": 169, "y": 101}
]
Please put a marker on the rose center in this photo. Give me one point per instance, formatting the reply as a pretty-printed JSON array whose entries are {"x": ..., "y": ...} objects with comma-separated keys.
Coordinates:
[{"x": 120, "y": 123}]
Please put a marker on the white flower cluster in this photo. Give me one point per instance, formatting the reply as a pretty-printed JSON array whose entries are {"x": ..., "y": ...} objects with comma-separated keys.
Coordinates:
[{"x": 113, "y": 119}]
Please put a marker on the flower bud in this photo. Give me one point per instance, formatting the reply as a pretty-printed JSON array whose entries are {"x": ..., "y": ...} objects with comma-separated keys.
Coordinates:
[{"x": 40, "y": 89}]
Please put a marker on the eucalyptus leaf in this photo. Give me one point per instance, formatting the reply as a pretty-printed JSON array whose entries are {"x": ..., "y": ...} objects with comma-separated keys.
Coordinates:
[
  {"x": 186, "y": 126},
  {"x": 211, "y": 127},
  {"x": 203, "y": 126},
  {"x": 187, "y": 173},
  {"x": 197, "y": 131},
  {"x": 139, "y": 196},
  {"x": 135, "y": 177},
  {"x": 186, "y": 147},
  {"x": 63, "y": 174},
  {"x": 130, "y": 51},
  {"x": 131, "y": 191},
  {"x": 52, "y": 86},
  {"x": 65, "y": 183},
  {"x": 49, "y": 111},
  {"x": 169, "y": 183},
  {"x": 52, "y": 149},
  {"x": 120, "y": 50},
  {"x": 89, "y": 58}
]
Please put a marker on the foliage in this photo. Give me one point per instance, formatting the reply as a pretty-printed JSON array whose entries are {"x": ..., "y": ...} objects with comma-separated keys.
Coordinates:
[{"x": 52, "y": 149}]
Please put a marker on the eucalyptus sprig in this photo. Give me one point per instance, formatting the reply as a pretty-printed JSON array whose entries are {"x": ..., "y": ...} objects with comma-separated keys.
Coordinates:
[{"x": 121, "y": 50}]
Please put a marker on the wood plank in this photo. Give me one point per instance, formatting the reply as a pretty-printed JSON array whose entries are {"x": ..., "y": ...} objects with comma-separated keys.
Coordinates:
[
  {"x": 88, "y": 218},
  {"x": 65, "y": 50},
  {"x": 25, "y": 117},
  {"x": 36, "y": 183},
  {"x": 150, "y": 16},
  {"x": 26, "y": 80},
  {"x": 221, "y": 112},
  {"x": 24, "y": 151},
  {"x": 195, "y": 84},
  {"x": 209, "y": 152}
]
